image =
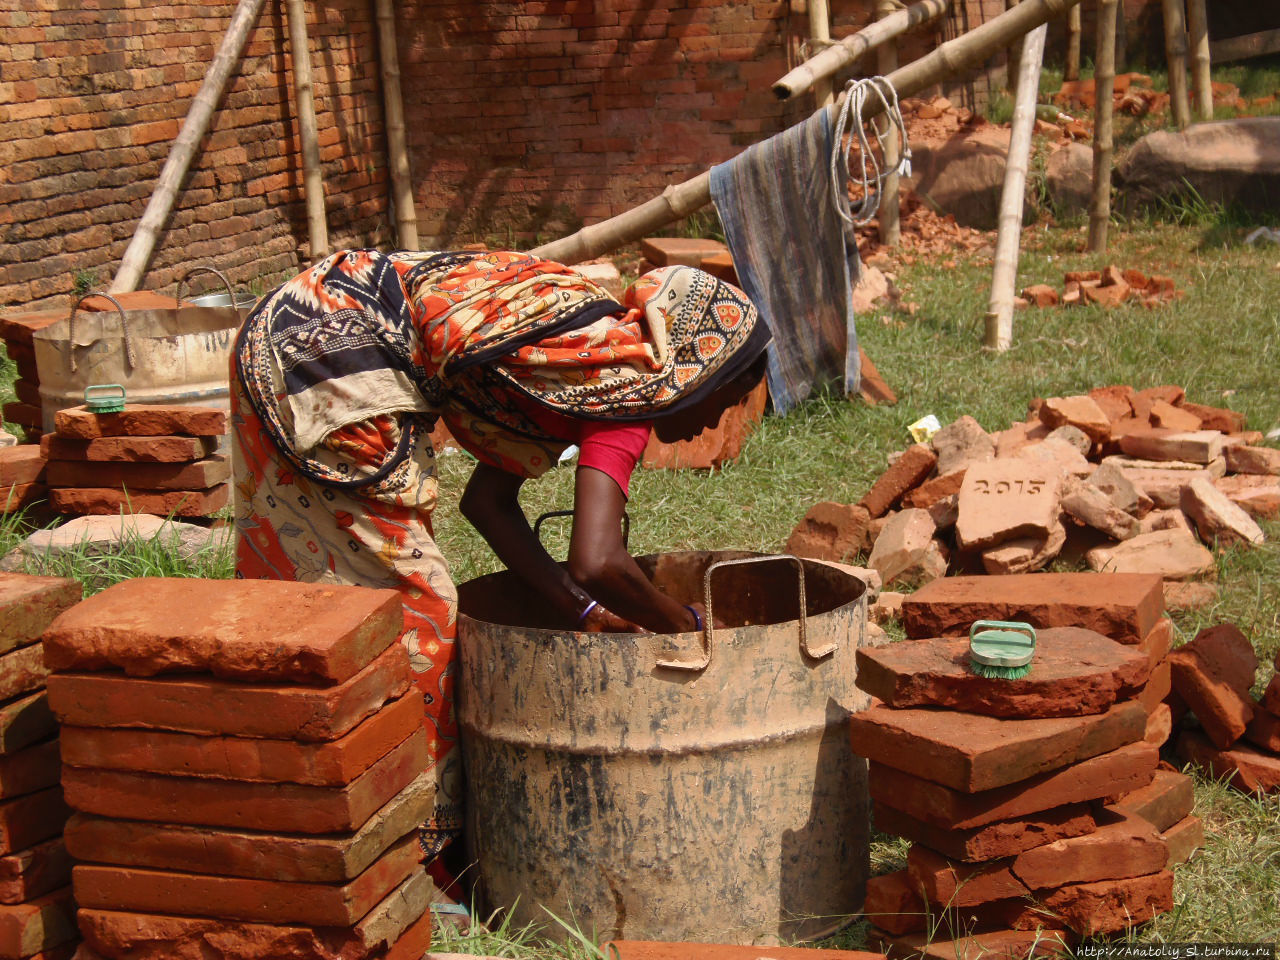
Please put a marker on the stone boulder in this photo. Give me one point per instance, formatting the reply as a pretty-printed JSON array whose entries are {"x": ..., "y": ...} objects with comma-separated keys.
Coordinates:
[
  {"x": 964, "y": 176},
  {"x": 1069, "y": 179},
  {"x": 1225, "y": 161}
]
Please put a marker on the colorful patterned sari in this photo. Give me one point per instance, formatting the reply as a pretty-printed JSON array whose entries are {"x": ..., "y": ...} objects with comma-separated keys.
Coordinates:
[{"x": 341, "y": 373}]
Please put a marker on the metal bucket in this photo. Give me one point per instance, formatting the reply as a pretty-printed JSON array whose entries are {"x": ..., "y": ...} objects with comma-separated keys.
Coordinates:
[
  {"x": 162, "y": 356},
  {"x": 687, "y": 787}
]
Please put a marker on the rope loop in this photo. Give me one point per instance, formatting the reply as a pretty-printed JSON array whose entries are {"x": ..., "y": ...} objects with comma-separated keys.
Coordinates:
[{"x": 849, "y": 117}]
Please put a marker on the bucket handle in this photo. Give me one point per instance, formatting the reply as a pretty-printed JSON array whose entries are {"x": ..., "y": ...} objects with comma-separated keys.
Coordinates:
[
  {"x": 555, "y": 514},
  {"x": 709, "y": 627},
  {"x": 204, "y": 269},
  {"x": 71, "y": 328}
]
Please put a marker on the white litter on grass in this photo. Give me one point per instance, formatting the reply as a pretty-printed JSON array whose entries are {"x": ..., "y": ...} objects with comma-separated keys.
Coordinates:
[{"x": 1265, "y": 233}]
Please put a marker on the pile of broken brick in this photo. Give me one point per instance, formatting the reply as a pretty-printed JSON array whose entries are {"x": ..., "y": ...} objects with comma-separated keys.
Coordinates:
[
  {"x": 1105, "y": 288},
  {"x": 1037, "y": 808},
  {"x": 235, "y": 779},
  {"x": 1123, "y": 480}
]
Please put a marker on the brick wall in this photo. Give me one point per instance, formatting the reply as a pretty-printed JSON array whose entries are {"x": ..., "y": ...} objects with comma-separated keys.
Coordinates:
[
  {"x": 91, "y": 98},
  {"x": 531, "y": 117},
  {"x": 525, "y": 119}
]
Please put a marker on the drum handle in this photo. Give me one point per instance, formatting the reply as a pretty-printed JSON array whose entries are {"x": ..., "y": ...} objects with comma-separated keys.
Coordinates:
[
  {"x": 555, "y": 514},
  {"x": 71, "y": 328},
  {"x": 203, "y": 269},
  {"x": 709, "y": 627}
]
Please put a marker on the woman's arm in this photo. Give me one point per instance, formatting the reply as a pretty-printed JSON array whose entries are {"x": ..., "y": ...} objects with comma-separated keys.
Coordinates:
[
  {"x": 599, "y": 562},
  {"x": 491, "y": 503}
]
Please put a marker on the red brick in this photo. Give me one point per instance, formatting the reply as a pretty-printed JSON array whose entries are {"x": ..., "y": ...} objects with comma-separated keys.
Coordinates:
[
  {"x": 129, "y": 449},
  {"x": 416, "y": 941},
  {"x": 1157, "y": 689},
  {"x": 197, "y": 475},
  {"x": 277, "y": 807},
  {"x": 1184, "y": 838},
  {"x": 910, "y": 470},
  {"x": 19, "y": 327},
  {"x": 972, "y": 753},
  {"x": 22, "y": 671},
  {"x": 307, "y": 859},
  {"x": 1074, "y": 672},
  {"x": 1002, "y": 839},
  {"x": 28, "y": 928},
  {"x": 239, "y": 898},
  {"x": 334, "y": 763},
  {"x": 830, "y": 531},
  {"x": 143, "y": 936},
  {"x": 1255, "y": 461},
  {"x": 22, "y": 413},
  {"x": 1223, "y": 710},
  {"x": 659, "y": 950},
  {"x": 1216, "y": 418},
  {"x": 1081, "y": 412},
  {"x": 954, "y": 884},
  {"x": 1157, "y": 642},
  {"x": 204, "y": 705},
  {"x": 1110, "y": 906},
  {"x": 1114, "y": 401},
  {"x": 33, "y": 872},
  {"x": 34, "y": 768},
  {"x": 21, "y": 464},
  {"x": 1108, "y": 775},
  {"x": 1159, "y": 726},
  {"x": 1124, "y": 607},
  {"x": 1124, "y": 845},
  {"x": 989, "y": 945},
  {"x": 25, "y": 721},
  {"x": 1264, "y": 731},
  {"x": 1247, "y": 769},
  {"x": 1174, "y": 418},
  {"x": 29, "y": 604},
  {"x": 931, "y": 491},
  {"x": 29, "y": 819},
  {"x": 665, "y": 251},
  {"x": 1271, "y": 696},
  {"x": 1168, "y": 798},
  {"x": 21, "y": 496},
  {"x": 139, "y": 420},
  {"x": 1187, "y": 595},
  {"x": 108, "y": 500},
  {"x": 893, "y": 903},
  {"x": 1228, "y": 653},
  {"x": 232, "y": 628}
]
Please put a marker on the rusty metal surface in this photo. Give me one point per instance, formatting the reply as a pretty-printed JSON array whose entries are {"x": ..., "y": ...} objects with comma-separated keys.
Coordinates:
[{"x": 714, "y": 805}]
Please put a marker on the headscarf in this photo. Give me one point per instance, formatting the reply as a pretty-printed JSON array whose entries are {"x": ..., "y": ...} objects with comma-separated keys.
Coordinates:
[{"x": 362, "y": 334}]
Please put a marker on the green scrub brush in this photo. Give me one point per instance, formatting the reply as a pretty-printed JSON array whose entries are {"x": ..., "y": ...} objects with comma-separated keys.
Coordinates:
[{"x": 1001, "y": 650}]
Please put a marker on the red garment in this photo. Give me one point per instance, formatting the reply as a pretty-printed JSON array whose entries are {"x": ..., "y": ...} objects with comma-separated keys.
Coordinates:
[{"x": 612, "y": 448}]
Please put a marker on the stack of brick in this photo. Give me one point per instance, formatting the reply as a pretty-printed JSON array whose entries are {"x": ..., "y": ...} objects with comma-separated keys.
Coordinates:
[
  {"x": 246, "y": 761},
  {"x": 1032, "y": 803},
  {"x": 22, "y": 477},
  {"x": 37, "y": 914},
  {"x": 1127, "y": 481},
  {"x": 146, "y": 459},
  {"x": 1213, "y": 677}
]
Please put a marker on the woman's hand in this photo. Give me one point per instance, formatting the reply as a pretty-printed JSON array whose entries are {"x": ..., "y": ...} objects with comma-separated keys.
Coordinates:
[{"x": 602, "y": 620}]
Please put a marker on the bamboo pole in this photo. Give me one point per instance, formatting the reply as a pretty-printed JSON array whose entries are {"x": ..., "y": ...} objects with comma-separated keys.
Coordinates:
[
  {"x": 849, "y": 50},
  {"x": 143, "y": 243},
  {"x": 820, "y": 35},
  {"x": 304, "y": 92},
  {"x": 1013, "y": 59},
  {"x": 393, "y": 106},
  {"x": 1105, "y": 85},
  {"x": 886, "y": 63},
  {"x": 1075, "y": 27},
  {"x": 999, "y": 319},
  {"x": 1175, "y": 49},
  {"x": 1201, "y": 83},
  {"x": 681, "y": 199}
]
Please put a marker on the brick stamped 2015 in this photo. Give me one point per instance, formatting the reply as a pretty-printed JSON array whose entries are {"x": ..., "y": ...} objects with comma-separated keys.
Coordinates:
[{"x": 243, "y": 629}]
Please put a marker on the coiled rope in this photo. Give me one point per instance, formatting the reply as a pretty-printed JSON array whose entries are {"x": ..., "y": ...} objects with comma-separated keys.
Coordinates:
[{"x": 870, "y": 177}]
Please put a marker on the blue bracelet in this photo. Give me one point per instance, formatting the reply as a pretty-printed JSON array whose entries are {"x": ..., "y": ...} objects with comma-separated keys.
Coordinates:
[
  {"x": 582, "y": 617},
  {"x": 697, "y": 618}
]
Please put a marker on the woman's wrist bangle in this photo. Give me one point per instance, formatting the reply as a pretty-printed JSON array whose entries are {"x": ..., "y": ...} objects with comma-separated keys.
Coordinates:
[
  {"x": 697, "y": 617},
  {"x": 582, "y": 617}
]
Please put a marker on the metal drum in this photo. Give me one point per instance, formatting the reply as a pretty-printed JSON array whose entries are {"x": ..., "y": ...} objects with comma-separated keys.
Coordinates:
[{"x": 689, "y": 787}]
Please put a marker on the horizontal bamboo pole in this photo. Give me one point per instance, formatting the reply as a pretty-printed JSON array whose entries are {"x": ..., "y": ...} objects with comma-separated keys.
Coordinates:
[
  {"x": 681, "y": 199},
  {"x": 849, "y": 50}
]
